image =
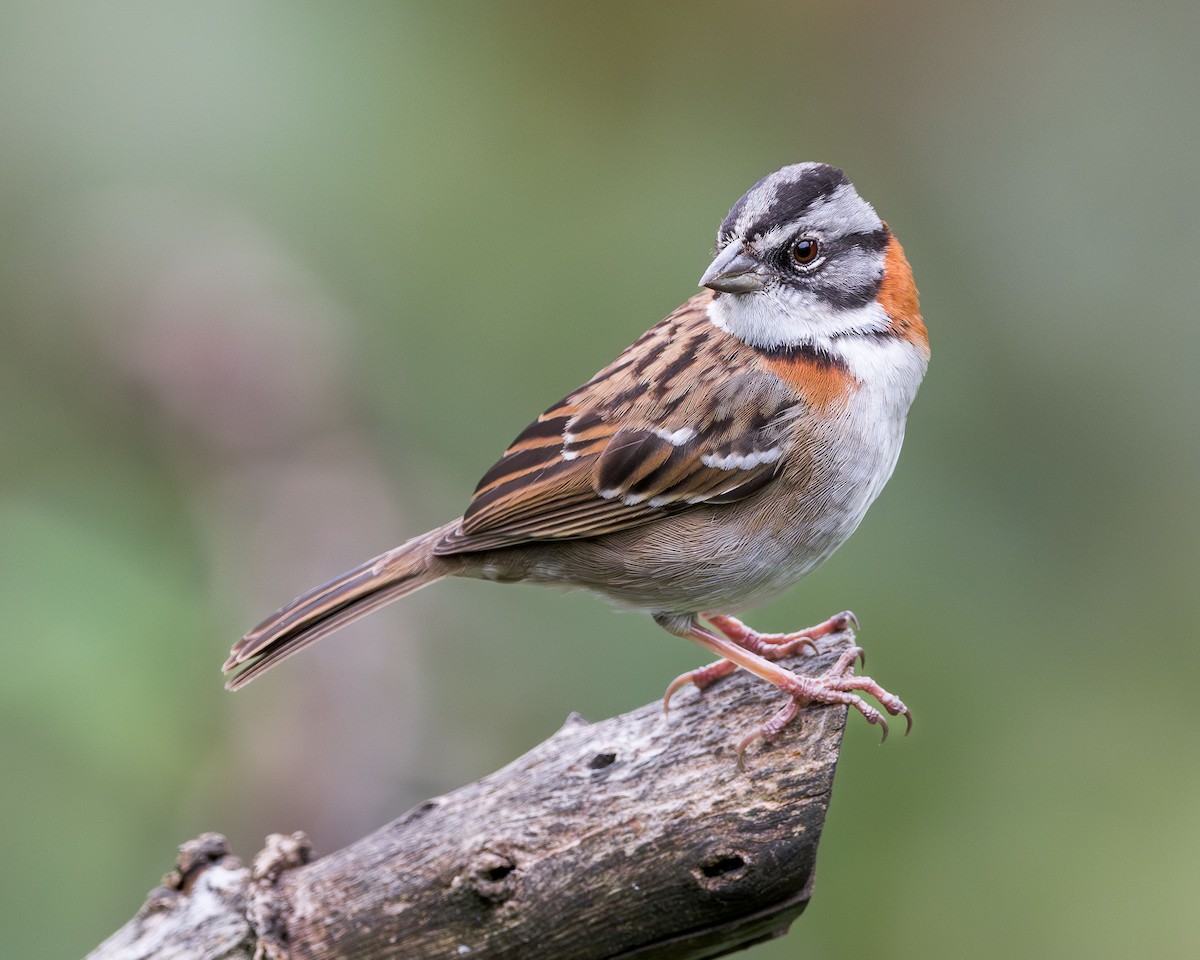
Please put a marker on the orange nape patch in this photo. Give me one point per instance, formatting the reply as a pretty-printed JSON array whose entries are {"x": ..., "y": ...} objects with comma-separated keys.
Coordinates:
[
  {"x": 898, "y": 296},
  {"x": 822, "y": 384}
]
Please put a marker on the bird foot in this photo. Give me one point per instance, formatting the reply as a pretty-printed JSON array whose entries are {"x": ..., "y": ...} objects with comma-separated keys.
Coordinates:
[
  {"x": 770, "y": 646},
  {"x": 839, "y": 684}
]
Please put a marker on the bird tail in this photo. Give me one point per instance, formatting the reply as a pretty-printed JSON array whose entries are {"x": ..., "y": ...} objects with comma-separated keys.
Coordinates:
[{"x": 354, "y": 594}]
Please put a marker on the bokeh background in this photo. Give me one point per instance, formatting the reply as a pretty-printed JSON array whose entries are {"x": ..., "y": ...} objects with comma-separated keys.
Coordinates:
[{"x": 278, "y": 281}]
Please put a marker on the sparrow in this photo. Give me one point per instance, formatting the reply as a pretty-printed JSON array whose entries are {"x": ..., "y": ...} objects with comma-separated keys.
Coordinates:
[{"x": 720, "y": 458}]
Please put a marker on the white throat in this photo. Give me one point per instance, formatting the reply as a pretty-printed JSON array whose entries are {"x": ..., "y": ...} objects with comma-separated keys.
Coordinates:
[
  {"x": 776, "y": 317},
  {"x": 858, "y": 337}
]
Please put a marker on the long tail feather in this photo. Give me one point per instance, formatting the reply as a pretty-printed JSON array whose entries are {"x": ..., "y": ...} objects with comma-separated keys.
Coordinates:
[{"x": 320, "y": 612}]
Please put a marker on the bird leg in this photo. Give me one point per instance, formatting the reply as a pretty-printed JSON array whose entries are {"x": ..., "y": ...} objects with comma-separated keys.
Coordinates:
[
  {"x": 838, "y": 684},
  {"x": 772, "y": 646}
]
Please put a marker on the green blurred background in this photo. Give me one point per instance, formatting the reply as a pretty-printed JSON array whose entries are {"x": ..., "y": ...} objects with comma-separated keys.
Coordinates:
[{"x": 279, "y": 281}]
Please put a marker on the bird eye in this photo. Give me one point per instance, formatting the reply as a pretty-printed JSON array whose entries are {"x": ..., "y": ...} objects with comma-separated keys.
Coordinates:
[{"x": 805, "y": 250}]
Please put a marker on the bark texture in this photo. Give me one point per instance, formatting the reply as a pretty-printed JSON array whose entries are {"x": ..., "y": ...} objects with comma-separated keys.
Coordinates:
[{"x": 633, "y": 837}]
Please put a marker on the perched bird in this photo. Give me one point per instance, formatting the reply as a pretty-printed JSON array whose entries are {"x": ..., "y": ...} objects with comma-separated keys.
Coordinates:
[{"x": 724, "y": 455}]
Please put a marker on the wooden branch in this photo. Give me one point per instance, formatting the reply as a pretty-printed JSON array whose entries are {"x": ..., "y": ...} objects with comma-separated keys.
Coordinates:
[{"x": 636, "y": 837}]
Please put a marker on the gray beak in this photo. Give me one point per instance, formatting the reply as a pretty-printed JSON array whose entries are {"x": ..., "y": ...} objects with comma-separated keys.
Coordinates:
[{"x": 733, "y": 271}]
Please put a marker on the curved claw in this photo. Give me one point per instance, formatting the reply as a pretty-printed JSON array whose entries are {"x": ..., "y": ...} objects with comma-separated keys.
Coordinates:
[
  {"x": 741, "y": 749},
  {"x": 769, "y": 729},
  {"x": 803, "y": 642},
  {"x": 672, "y": 688},
  {"x": 870, "y": 714},
  {"x": 844, "y": 666},
  {"x": 701, "y": 678},
  {"x": 742, "y": 647}
]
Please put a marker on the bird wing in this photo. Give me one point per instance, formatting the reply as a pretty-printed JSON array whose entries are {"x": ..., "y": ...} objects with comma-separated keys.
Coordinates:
[{"x": 685, "y": 416}]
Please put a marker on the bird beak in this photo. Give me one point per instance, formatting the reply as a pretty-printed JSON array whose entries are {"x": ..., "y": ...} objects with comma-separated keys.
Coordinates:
[{"x": 733, "y": 271}]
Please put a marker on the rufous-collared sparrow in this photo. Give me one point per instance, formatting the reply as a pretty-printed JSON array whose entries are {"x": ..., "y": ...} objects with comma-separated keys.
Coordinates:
[{"x": 724, "y": 455}]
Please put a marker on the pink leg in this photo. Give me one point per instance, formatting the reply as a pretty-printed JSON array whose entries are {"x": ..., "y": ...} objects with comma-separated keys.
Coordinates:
[
  {"x": 836, "y": 685},
  {"x": 771, "y": 646},
  {"x": 776, "y": 646}
]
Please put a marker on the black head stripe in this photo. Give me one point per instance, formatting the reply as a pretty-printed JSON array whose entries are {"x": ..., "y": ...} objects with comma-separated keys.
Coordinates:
[
  {"x": 876, "y": 241},
  {"x": 782, "y": 197},
  {"x": 795, "y": 195}
]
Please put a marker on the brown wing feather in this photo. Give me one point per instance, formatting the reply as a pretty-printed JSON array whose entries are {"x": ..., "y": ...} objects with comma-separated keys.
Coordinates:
[{"x": 684, "y": 416}]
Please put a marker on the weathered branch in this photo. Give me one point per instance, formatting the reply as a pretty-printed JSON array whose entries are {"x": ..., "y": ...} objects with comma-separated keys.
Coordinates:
[{"x": 634, "y": 837}]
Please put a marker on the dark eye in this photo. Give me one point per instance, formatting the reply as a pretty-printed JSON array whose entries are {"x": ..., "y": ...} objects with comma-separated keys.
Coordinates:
[{"x": 805, "y": 250}]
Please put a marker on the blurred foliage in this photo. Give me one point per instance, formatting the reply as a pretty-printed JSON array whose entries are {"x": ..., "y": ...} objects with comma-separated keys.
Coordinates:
[{"x": 278, "y": 282}]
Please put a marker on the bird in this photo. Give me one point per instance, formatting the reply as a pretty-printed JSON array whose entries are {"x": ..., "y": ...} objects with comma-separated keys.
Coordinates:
[{"x": 720, "y": 458}]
